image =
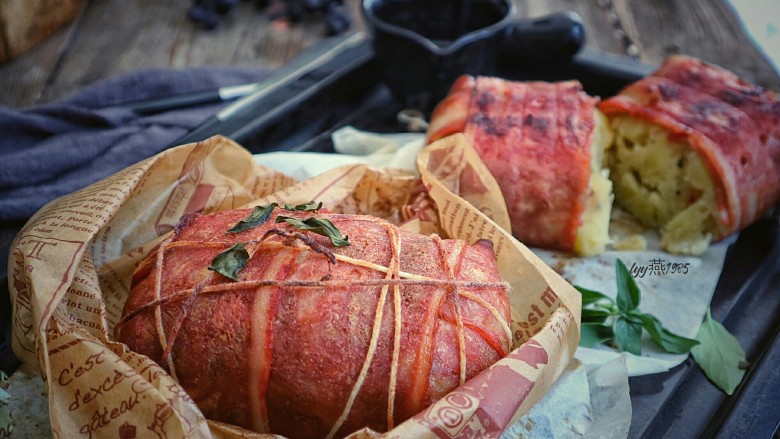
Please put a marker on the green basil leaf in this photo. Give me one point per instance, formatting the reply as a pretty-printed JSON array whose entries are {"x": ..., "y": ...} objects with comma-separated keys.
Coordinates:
[
  {"x": 311, "y": 206},
  {"x": 591, "y": 296},
  {"x": 259, "y": 215},
  {"x": 628, "y": 335},
  {"x": 231, "y": 261},
  {"x": 632, "y": 316},
  {"x": 719, "y": 355},
  {"x": 317, "y": 225},
  {"x": 595, "y": 315},
  {"x": 667, "y": 340},
  {"x": 594, "y": 333},
  {"x": 627, "y": 289}
]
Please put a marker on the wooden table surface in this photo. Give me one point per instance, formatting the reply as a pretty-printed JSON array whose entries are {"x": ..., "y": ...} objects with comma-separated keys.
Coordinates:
[{"x": 111, "y": 37}]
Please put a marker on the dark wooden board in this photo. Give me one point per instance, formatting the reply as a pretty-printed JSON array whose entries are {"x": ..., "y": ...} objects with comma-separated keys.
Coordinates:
[{"x": 112, "y": 37}]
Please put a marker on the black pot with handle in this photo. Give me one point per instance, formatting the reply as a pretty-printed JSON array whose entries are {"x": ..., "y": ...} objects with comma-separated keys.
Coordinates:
[{"x": 422, "y": 46}]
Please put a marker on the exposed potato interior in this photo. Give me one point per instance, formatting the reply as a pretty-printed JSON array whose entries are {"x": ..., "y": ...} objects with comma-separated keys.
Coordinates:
[
  {"x": 664, "y": 184},
  {"x": 593, "y": 235}
]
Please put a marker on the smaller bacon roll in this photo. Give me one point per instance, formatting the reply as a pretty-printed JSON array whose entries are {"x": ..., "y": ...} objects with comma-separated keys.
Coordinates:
[
  {"x": 544, "y": 144},
  {"x": 696, "y": 152}
]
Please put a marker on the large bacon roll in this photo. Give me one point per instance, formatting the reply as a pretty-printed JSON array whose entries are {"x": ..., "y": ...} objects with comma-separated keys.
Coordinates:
[
  {"x": 311, "y": 339},
  {"x": 544, "y": 144},
  {"x": 697, "y": 152}
]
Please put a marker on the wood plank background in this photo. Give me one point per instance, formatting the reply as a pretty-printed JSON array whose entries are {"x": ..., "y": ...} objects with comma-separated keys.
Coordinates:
[{"x": 111, "y": 37}]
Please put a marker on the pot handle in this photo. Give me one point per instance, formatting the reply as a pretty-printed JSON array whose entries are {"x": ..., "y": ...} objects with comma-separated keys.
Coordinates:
[{"x": 557, "y": 36}]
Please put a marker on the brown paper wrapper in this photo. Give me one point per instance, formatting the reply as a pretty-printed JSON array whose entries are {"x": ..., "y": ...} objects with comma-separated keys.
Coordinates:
[{"x": 70, "y": 269}]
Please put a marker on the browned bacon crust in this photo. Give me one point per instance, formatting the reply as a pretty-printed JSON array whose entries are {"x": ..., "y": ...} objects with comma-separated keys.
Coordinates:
[
  {"x": 535, "y": 137},
  {"x": 733, "y": 125},
  {"x": 305, "y": 348}
]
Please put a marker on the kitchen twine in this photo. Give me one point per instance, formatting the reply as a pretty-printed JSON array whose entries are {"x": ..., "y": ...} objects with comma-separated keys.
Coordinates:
[{"x": 394, "y": 278}]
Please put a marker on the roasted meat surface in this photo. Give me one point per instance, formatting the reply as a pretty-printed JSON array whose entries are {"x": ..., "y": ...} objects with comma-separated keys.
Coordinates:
[
  {"x": 536, "y": 138},
  {"x": 314, "y": 340}
]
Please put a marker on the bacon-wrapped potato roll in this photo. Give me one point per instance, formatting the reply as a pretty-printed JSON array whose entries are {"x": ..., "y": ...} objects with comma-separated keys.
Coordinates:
[
  {"x": 544, "y": 144},
  {"x": 696, "y": 153}
]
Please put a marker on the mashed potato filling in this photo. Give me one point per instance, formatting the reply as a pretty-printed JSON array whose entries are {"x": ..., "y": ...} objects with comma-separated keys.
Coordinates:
[
  {"x": 664, "y": 184},
  {"x": 593, "y": 235}
]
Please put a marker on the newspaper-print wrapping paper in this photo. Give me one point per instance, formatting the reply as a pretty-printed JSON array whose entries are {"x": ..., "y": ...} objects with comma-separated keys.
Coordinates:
[{"x": 70, "y": 269}]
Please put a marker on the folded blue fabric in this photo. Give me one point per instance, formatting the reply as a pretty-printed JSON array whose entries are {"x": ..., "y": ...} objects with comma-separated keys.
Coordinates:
[{"x": 53, "y": 149}]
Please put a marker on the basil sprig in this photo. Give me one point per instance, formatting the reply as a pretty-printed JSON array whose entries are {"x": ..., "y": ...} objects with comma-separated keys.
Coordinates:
[
  {"x": 259, "y": 216},
  {"x": 231, "y": 261},
  {"x": 311, "y": 206},
  {"x": 620, "y": 323},
  {"x": 317, "y": 225}
]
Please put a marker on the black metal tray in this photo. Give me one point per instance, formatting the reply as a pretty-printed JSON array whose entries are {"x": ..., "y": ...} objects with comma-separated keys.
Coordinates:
[{"x": 307, "y": 100}]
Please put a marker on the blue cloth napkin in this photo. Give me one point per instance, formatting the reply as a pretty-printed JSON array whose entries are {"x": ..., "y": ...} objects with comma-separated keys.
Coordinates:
[{"x": 50, "y": 150}]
